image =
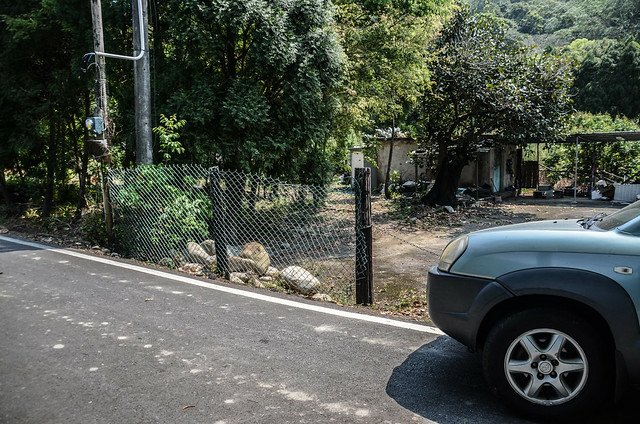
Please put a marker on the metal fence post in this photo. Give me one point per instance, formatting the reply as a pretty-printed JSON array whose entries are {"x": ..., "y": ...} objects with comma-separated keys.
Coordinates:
[
  {"x": 218, "y": 220},
  {"x": 364, "y": 239}
]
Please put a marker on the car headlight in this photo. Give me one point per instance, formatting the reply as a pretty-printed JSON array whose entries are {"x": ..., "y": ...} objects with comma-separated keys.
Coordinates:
[{"x": 452, "y": 252}]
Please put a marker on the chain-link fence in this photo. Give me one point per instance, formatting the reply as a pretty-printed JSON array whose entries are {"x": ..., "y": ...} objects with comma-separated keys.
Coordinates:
[
  {"x": 255, "y": 230},
  {"x": 158, "y": 209}
]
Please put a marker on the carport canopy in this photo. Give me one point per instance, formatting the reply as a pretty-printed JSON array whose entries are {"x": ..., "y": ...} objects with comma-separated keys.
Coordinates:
[
  {"x": 596, "y": 137},
  {"x": 603, "y": 137},
  {"x": 606, "y": 137}
]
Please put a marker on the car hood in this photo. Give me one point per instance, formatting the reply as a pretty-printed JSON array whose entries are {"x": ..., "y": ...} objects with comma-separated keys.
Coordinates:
[
  {"x": 551, "y": 225},
  {"x": 565, "y": 235},
  {"x": 561, "y": 243}
]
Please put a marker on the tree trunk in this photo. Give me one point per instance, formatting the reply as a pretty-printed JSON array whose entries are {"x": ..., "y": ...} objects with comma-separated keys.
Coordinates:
[
  {"x": 6, "y": 198},
  {"x": 81, "y": 204},
  {"x": 445, "y": 187},
  {"x": 47, "y": 206},
  {"x": 387, "y": 175},
  {"x": 106, "y": 202}
]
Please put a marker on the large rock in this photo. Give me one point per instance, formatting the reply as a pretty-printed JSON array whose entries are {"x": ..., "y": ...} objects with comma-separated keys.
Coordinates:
[
  {"x": 301, "y": 280},
  {"x": 238, "y": 264},
  {"x": 269, "y": 282},
  {"x": 273, "y": 272},
  {"x": 233, "y": 277},
  {"x": 198, "y": 255},
  {"x": 258, "y": 254},
  {"x": 209, "y": 246},
  {"x": 245, "y": 277}
]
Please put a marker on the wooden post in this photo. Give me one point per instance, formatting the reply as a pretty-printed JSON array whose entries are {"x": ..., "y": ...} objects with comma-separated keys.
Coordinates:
[
  {"x": 218, "y": 223},
  {"x": 101, "y": 109},
  {"x": 98, "y": 46},
  {"x": 364, "y": 238}
]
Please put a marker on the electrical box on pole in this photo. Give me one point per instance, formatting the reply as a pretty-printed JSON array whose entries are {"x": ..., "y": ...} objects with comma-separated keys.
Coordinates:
[{"x": 95, "y": 124}]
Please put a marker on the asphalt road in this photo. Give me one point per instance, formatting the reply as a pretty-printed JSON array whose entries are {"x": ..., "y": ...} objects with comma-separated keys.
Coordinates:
[{"x": 83, "y": 341}]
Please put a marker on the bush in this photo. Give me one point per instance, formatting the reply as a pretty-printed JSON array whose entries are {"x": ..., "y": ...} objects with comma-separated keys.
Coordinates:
[{"x": 93, "y": 229}]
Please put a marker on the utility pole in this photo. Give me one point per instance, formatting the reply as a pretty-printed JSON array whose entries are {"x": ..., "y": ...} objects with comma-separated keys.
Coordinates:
[
  {"x": 101, "y": 108},
  {"x": 142, "y": 88},
  {"x": 98, "y": 46}
]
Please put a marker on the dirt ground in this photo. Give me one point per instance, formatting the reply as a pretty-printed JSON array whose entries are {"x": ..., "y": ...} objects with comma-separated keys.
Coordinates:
[{"x": 409, "y": 239}]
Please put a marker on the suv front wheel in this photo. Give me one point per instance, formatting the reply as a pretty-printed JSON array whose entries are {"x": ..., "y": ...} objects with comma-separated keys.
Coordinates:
[{"x": 547, "y": 363}]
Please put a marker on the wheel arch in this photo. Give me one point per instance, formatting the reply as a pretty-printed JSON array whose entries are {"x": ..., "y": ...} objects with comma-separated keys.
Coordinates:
[
  {"x": 520, "y": 303},
  {"x": 598, "y": 297}
]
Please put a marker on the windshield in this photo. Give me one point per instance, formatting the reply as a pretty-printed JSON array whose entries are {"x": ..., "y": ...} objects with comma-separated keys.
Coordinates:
[{"x": 620, "y": 217}]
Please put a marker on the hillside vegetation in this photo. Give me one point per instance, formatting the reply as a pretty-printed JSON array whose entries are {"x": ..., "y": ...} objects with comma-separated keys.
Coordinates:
[{"x": 558, "y": 22}]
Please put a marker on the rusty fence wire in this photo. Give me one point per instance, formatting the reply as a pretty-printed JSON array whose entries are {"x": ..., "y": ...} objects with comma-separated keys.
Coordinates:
[{"x": 253, "y": 230}]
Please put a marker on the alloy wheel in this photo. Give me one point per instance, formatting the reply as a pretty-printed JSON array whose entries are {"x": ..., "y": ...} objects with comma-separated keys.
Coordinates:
[{"x": 546, "y": 366}]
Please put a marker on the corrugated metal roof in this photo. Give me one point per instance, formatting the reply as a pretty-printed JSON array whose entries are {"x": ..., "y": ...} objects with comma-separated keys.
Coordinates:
[{"x": 607, "y": 137}]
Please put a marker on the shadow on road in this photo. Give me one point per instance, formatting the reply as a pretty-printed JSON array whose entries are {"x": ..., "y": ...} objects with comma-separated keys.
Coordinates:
[
  {"x": 443, "y": 382},
  {"x": 6, "y": 247}
]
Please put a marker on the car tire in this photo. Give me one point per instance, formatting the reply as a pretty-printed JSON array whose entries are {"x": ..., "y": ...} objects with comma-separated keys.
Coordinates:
[{"x": 548, "y": 363}]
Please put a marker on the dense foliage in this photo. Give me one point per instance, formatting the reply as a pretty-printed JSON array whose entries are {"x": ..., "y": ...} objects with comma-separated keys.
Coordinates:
[
  {"x": 386, "y": 44},
  {"x": 159, "y": 207},
  {"x": 486, "y": 84},
  {"x": 43, "y": 99},
  {"x": 553, "y": 22},
  {"x": 601, "y": 38},
  {"x": 600, "y": 35},
  {"x": 607, "y": 76},
  {"x": 247, "y": 85},
  {"x": 255, "y": 81}
]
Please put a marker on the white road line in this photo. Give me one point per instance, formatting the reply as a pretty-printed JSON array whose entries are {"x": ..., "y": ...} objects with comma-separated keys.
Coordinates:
[{"x": 237, "y": 292}]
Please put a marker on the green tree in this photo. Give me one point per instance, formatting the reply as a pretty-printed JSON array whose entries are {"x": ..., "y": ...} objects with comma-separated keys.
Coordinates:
[
  {"x": 625, "y": 15},
  {"x": 169, "y": 136},
  {"x": 558, "y": 22},
  {"x": 386, "y": 46},
  {"x": 607, "y": 77},
  {"x": 485, "y": 84},
  {"x": 42, "y": 97},
  {"x": 256, "y": 82}
]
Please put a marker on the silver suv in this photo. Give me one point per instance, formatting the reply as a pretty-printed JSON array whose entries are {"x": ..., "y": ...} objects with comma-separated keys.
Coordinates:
[{"x": 554, "y": 307}]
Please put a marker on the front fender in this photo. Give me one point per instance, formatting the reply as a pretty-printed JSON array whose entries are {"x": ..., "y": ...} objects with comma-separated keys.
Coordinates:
[{"x": 600, "y": 293}]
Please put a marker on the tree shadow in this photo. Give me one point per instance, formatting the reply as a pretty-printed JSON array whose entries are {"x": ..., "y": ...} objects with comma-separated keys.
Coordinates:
[
  {"x": 443, "y": 382},
  {"x": 7, "y": 246}
]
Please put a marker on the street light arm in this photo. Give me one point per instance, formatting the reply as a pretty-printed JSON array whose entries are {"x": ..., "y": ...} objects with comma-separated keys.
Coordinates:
[{"x": 142, "y": 46}]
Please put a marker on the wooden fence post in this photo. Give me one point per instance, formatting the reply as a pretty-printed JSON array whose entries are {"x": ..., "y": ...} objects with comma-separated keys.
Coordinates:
[
  {"x": 218, "y": 223},
  {"x": 106, "y": 201},
  {"x": 364, "y": 238}
]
